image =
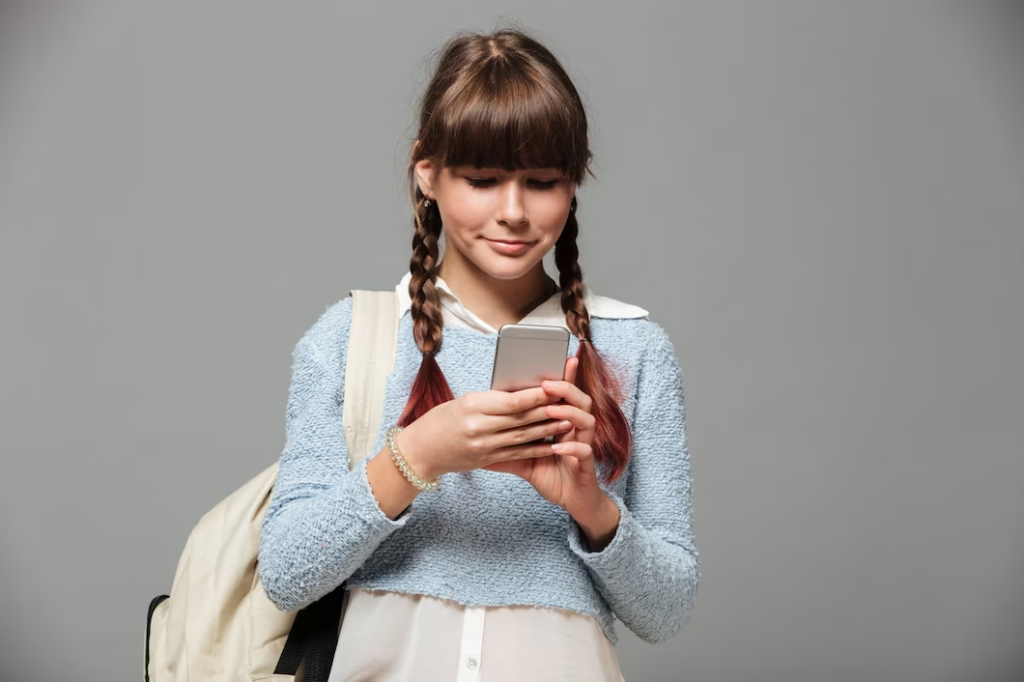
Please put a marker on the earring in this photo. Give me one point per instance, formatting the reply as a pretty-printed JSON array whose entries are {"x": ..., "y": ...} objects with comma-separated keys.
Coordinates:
[{"x": 426, "y": 203}]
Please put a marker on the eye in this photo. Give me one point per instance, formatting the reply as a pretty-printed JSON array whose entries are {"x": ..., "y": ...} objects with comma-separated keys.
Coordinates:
[{"x": 482, "y": 182}]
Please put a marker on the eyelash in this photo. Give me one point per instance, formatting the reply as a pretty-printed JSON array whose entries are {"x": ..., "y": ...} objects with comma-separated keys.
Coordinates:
[{"x": 482, "y": 183}]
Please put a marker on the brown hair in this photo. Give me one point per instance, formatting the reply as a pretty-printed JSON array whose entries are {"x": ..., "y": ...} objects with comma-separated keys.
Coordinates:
[{"x": 502, "y": 100}]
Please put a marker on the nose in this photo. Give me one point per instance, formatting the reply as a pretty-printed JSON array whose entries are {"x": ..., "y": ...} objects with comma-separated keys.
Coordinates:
[{"x": 511, "y": 206}]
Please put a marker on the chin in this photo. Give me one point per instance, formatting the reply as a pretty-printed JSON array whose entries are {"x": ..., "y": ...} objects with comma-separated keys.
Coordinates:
[{"x": 506, "y": 268}]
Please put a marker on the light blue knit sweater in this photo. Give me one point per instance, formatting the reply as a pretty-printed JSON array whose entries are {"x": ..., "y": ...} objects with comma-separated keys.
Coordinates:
[{"x": 485, "y": 538}]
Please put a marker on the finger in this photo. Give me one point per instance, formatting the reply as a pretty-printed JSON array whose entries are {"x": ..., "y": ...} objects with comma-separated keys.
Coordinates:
[
  {"x": 522, "y": 435},
  {"x": 568, "y": 392},
  {"x": 507, "y": 421},
  {"x": 517, "y": 452},
  {"x": 575, "y": 449},
  {"x": 511, "y": 402},
  {"x": 583, "y": 421}
]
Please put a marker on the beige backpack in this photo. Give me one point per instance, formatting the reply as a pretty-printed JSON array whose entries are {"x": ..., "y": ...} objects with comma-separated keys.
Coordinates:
[{"x": 218, "y": 624}]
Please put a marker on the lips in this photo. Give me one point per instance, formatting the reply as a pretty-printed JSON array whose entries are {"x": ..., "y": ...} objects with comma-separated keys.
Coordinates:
[{"x": 509, "y": 247}]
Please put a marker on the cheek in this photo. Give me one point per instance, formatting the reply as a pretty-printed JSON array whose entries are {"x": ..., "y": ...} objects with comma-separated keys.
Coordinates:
[
  {"x": 465, "y": 215},
  {"x": 552, "y": 218}
]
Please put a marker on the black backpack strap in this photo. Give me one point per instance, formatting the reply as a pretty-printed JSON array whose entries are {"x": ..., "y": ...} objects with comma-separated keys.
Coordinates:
[{"x": 313, "y": 638}]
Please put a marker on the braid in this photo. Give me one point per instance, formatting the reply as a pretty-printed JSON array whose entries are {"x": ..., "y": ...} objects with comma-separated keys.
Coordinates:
[
  {"x": 612, "y": 438},
  {"x": 429, "y": 388},
  {"x": 570, "y": 277},
  {"x": 426, "y": 302}
]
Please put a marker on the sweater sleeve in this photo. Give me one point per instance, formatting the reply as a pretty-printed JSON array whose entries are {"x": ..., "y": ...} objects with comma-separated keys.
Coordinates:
[
  {"x": 323, "y": 521},
  {"x": 649, "y": 571}
]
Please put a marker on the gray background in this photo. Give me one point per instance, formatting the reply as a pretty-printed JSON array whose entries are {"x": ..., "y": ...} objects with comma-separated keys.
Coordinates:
[{"x": 822, "y": 202}]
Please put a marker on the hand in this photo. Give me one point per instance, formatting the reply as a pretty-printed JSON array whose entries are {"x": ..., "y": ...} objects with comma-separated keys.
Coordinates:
[
  {"x": 568, "y": 477},
  {"x": 480, "y": 428}
]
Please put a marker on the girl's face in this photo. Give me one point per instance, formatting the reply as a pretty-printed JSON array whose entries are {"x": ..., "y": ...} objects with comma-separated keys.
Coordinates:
[{"x": 502, "y": 222}]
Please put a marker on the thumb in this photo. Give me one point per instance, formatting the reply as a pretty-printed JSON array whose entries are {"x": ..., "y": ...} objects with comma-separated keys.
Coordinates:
[{"x": 572, "y": 363}]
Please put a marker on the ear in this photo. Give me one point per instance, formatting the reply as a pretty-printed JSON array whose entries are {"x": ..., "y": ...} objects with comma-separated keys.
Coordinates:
[{"x": 425, "y": 177}]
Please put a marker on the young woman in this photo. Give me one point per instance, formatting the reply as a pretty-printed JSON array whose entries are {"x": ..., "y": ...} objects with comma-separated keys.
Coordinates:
[{"x": 472, "y": 549}]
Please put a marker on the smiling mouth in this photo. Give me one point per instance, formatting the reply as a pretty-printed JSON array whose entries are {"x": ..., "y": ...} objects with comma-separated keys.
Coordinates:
[{"x": 509, "y": 248}]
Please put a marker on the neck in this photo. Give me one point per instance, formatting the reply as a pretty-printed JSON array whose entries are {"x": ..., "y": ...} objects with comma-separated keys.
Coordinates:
[{"x": 496, "y": 301}]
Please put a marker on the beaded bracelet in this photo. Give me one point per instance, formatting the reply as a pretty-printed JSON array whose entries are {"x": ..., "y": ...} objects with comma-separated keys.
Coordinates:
[{"x": 403, "y": 466}]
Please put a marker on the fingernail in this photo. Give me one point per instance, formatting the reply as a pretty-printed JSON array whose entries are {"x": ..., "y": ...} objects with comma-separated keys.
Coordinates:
[
  {"x": 558, "y": 447},
  {"x": 565, "y": 425}
]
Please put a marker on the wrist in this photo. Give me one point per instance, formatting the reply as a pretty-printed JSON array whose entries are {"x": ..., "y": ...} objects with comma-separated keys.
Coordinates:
[
  {"x": 599, "y": 523},
  {"x": 414, "y": 455}
]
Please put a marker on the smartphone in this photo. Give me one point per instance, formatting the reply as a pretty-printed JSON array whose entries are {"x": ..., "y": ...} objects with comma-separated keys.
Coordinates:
[{"x": 528, "y": 354}]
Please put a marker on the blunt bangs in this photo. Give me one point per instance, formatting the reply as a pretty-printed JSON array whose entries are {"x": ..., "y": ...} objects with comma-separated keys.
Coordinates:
[{"x": 506, "y": 116}]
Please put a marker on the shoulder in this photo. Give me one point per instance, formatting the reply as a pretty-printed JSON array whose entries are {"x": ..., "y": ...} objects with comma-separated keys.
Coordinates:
[
  {"x": 611, "y": 308},
  {"x": 625, "y": 328},
  {"x": 328, "y": 335},
  {"x": 618, "y": 319}
]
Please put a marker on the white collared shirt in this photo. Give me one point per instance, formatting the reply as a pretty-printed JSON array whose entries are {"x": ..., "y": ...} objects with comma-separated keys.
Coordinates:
[
  {"x": 547, "y": 313},
  {"x": 398, "y": 636}
]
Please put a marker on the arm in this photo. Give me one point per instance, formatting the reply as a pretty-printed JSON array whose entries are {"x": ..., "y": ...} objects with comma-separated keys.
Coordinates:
[
  {"x": 648, "y": 572},
  {"x": 324, "y": 521}
]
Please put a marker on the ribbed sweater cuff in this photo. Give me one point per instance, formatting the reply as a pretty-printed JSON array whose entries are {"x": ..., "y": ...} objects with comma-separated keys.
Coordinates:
[
  {"x": 367, "y": 507},
  {"x": 618, "y": 554}
]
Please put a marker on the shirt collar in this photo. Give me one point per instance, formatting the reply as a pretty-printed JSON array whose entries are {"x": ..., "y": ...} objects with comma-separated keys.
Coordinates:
[{"x": 547, "y": 313}]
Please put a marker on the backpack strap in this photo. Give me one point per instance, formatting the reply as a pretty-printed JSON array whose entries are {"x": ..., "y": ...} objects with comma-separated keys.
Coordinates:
[
  {"x": 373, "y": 335},
  {"x": 371, "y": 356}
]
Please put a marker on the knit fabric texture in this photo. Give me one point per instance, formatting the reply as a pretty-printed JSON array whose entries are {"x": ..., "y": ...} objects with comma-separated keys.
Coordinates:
[{"x": 484, "y": 538}]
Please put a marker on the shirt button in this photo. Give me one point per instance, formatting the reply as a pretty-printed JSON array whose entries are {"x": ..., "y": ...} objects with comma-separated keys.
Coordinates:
[{"x": 471, "y": 664}]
